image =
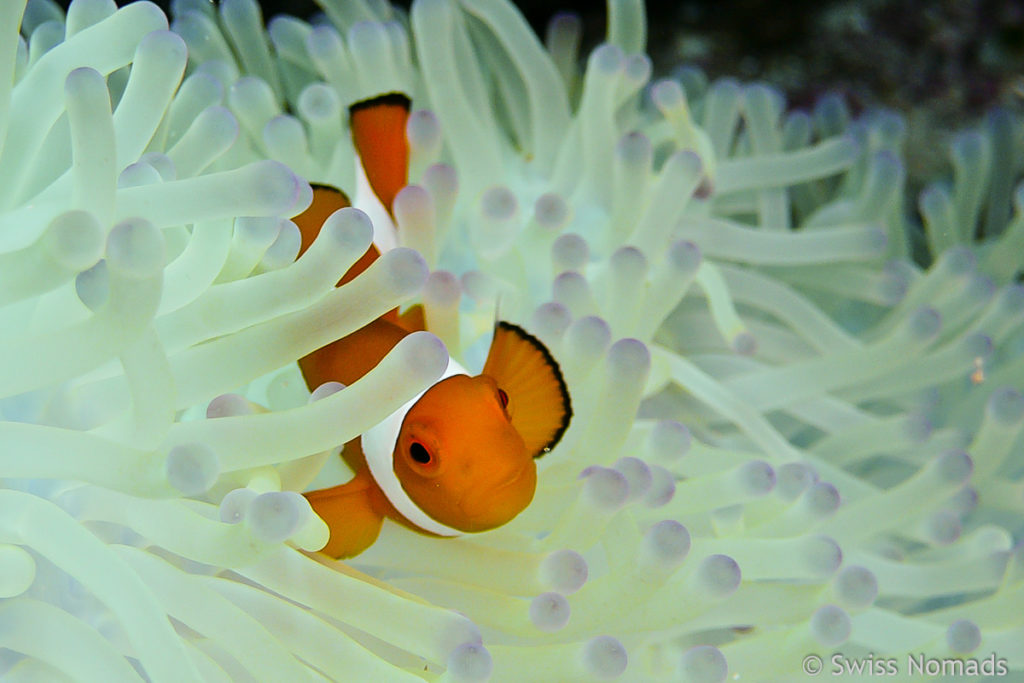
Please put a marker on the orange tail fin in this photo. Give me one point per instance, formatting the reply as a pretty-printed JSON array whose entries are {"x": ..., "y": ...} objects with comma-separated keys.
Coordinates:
[
  {"x": 353, "y": 512},
  {"x": 378, "y": 133}
]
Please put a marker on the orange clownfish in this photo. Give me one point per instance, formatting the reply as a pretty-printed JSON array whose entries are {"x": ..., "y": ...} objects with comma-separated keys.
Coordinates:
[{"x": 460, "y": 456}]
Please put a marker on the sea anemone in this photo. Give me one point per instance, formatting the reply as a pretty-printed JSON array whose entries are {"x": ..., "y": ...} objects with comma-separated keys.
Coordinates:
[{"x": 791, "y": 439}]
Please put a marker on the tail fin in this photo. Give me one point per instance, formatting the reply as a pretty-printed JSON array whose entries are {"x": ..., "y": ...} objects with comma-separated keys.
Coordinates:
[{"x": 352, "y": 513}]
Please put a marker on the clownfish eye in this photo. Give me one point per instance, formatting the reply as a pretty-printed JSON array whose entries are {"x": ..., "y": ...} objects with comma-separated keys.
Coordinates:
[
  {"x": 419, "y": 453},
  {"x": 503, "y": 398}
]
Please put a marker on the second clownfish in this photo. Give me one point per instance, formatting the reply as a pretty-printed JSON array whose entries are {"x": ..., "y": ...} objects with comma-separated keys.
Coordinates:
[{"x": 460, "y": 456}]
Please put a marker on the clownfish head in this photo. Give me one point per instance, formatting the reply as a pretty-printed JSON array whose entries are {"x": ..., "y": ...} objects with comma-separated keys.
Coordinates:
[
  {"x": 466, "y": 450},
  {"x": 460, "y": 459}
]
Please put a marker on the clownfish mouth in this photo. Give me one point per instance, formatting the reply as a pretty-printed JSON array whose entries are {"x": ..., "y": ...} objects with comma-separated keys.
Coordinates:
[{"x": 492, "y": 507}]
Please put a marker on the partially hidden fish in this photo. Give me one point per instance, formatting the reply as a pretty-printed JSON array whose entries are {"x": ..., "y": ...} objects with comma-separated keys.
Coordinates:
[{"x": 460, "y": 456}]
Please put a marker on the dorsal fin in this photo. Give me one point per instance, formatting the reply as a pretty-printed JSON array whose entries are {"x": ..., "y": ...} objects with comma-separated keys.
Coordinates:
[
  {"x": 378, "y": 133},
  {"x": 539, "y": 405},
  {"x": 326, "y": 200}
]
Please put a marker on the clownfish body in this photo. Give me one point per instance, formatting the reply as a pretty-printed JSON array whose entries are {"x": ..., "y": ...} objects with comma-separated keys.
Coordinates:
[{"x": 460, "y": 456}]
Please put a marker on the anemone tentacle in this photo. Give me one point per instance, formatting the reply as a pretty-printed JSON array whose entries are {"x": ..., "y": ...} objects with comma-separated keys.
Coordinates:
[{"x": 797, "y": 391}]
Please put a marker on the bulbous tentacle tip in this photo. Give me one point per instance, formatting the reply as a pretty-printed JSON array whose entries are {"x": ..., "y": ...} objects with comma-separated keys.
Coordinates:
[
  {"x": 605, "y": 657},
  {"x": 635, "y": 149},
  {"x": 406, "y": 269},
  {"x": 423, "y": 129},
  {"x": 606, "y": 58},
  {"x": 744, "y": 344},
  {"x": 551, "y": 211},
  {"x": 963, "y": 636},
  {"x": 821, "y": 555},
  {"x": 135, "y": 249},
  {"x": 275, "y": 516},
  {"x": 718, "y": 576},
  {"x": 604, "y": 488},
  {"x": 85, "y": 81},
  {"x": 423, "y": 353},
  {"x": 440, "y": 180},
  {"x": 668, "y": 542},
  {"x": 470, "y": 663},
  {"x": 166, "y": 46},
  {"x": 830, "y": 625},
  {"x": 684, "y": 164},
  {"x": 442, "y": 289},
  {"x": 280, "y": 189},
  {"x": 75, "y": 240},
  {"x": 350, "y": 228},
  {"x": 319, "y": 102},
  {"x": 324, "y": 390},
  {"x": 323, "y": 42},
  {"x": 228, "y": 405},
  {"x": 663, "y": 487},
  {"x": 637, "y": 474},
  {"x": 1011, "y": 299},
  {"x": 498, "y": 203},
  {"x": 855, "y": 587},
  {"x": 639, "y": 68},
  {"x": 667, "y": 94},
  {"x": 219, "y": 122},
  {"x": 570, "y": 251},
  {"x": 192, "y": 468},
  {"x": 413, "y": 202},
  {"x": 629, "y": 357},
  {"x": 234, "y": 506},
  {"x": 563, "y": 571},
  {"x": 589, "y": 334},
  {"x": 260, "y": 231},
  {"x": 669, "y": 439},
  {"x": 942, "y": 527},
  {"x": 685, "y": 256},
  {"x": 550, "y": 611},
  {"x": 1005, "y": 406},
  {"x": 756, "y": 477},
  {"x": 953, "y": 467},
  {"x": 822, "y": 499},
  {"x": 703, "y": 664},
  {"x": 792, "y": 479}
]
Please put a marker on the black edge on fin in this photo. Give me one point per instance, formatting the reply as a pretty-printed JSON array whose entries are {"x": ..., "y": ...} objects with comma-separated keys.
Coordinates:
[
  {"x": 392, "y": 98},
  {"x": 556, "y": 370}
]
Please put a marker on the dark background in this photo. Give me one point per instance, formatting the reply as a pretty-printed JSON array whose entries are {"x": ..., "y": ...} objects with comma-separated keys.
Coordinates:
[
  {"x": 957, "y": 56},
  {"x": 940, "y": 63}
]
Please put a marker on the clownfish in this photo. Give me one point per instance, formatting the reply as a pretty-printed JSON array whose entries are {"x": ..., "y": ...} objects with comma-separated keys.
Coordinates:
[{"x": 460, "y": 456}]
